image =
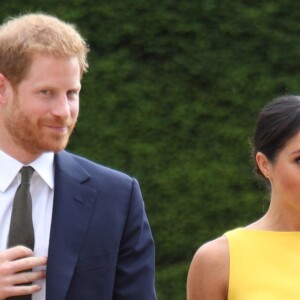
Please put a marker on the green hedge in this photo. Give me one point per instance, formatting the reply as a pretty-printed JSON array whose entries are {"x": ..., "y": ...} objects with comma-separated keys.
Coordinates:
[{"x": 171, "y": 98}]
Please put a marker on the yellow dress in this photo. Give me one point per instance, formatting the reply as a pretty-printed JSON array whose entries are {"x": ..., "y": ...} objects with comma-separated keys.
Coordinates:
[{"x": 264, "y": 265}]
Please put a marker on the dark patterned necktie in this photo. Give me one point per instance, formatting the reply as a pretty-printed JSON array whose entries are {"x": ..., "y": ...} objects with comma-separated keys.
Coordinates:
[{"x": 21, "y": 226}]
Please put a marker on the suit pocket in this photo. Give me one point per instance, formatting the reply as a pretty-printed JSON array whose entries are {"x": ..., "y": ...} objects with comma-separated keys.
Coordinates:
[{"x": 102, "y": 261}]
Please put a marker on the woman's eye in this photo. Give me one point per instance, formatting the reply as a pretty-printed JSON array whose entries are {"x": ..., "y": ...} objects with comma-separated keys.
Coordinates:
[{"x": 297, "y": 160}]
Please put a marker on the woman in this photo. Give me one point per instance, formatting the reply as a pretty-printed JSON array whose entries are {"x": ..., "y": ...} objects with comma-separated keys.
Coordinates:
[{"x": 262, "y": 260}]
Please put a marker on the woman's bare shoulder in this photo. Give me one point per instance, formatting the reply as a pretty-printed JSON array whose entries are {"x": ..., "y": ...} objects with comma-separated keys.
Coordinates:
[
  {"x": 209, "y": 271},
  {"x": 213, "y": 249}
]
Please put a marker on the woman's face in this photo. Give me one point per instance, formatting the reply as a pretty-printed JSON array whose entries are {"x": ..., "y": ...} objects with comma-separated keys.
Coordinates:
[{"x": 284, "y": 173}]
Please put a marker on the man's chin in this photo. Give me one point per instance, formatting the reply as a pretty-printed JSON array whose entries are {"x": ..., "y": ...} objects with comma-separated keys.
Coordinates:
[
  {"x": 54, "y": 147},
  {"x": 59, "y": 148}
]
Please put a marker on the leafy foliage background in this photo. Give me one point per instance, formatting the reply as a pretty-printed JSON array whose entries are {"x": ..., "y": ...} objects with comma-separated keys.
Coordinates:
[{"x": 171, "y": 98}]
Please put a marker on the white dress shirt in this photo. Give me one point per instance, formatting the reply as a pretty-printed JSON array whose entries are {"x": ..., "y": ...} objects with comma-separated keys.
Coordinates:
[{"x": 42, "y": 191}]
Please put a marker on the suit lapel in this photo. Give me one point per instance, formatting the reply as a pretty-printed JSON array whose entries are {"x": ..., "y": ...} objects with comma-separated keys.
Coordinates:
[{"x": 72, "y": 209}]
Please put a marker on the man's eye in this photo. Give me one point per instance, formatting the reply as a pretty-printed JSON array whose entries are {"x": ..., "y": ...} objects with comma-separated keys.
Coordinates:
[
  {"x": 46, "y": 92},
  {"x": 73, "y": 93}
]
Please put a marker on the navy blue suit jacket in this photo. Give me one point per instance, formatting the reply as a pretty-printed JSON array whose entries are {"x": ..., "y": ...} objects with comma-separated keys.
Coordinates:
[{"x": 101, "y": 246}]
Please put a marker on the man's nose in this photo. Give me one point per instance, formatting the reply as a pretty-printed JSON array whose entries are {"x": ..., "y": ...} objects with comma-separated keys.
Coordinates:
[{"x": 61, "y": 107}]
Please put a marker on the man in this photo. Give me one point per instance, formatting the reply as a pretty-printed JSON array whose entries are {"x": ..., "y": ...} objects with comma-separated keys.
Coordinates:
[{"x": 92, "y": 237}]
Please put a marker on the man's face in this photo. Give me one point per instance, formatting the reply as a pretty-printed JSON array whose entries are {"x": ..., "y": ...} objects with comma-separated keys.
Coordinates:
[{"x": 44, "y": 110}]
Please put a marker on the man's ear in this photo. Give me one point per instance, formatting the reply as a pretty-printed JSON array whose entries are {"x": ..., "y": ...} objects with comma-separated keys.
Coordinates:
[
  {"x": 4, "y": 88},
  {"x": 263, "y": 164}
]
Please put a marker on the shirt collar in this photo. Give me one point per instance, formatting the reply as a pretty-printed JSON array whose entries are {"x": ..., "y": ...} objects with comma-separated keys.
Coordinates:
[{"x": 10, "y": 167}]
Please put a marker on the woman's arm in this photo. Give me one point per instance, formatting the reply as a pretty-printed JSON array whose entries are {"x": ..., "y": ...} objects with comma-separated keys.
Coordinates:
[{"x": 208, "y": 275}]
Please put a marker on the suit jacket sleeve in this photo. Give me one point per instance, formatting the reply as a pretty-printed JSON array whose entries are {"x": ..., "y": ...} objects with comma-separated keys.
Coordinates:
[{"x": 135, "y": 266}]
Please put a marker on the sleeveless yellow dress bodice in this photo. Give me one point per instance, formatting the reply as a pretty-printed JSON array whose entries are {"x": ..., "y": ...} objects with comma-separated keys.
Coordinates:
[{"x": 264, "y": 265}]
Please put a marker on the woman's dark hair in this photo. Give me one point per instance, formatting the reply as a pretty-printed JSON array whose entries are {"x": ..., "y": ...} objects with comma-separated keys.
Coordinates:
[{"x": 276, "y": 124}]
